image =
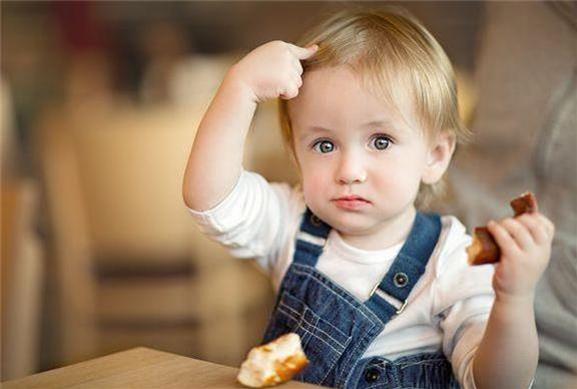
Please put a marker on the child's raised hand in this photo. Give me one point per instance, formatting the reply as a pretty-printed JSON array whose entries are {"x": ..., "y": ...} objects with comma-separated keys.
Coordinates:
[
  {"x": 272, "y": 70},
  {"x": 525, "y": 243}
]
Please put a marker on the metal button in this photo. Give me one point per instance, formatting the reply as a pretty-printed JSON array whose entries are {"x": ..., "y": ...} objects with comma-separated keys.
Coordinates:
[
  {"x": 372, "y": 374},
  {"x": 316, "y": 221},
  {"x": 400, "y": 280}
]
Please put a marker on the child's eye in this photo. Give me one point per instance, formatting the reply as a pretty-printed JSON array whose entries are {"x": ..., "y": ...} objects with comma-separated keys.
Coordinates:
[
  {"x": 324, "y": 146},
  {"x": 381, "y": 142}
]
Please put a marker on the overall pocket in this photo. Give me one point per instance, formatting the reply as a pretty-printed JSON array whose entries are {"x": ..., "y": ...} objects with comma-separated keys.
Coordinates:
[
  {"x": 322, "y": 342},
  {"x": 427, "y": 371}
]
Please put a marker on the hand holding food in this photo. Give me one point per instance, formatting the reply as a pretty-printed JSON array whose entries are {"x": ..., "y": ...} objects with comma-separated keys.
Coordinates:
[{"x": 484, "y": 249}]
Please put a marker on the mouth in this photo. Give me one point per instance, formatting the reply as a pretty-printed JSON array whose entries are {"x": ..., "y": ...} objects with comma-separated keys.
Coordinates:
[{"x": 351, "y": 203}]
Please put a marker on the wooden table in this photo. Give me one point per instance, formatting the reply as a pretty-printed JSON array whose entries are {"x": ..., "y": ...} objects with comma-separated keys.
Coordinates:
[{"x": 139, "y": 368}]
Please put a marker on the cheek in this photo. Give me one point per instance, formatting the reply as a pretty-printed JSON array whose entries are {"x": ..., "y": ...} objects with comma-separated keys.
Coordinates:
[
  {"x": 316, "y": 179},
  {"x": 394, "y": 180}
]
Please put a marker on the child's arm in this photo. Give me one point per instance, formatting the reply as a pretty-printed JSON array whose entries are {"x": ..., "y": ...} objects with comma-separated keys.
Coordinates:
[
  {"x": 508, "y": 353},
  {"x": 214, "y": 165}
]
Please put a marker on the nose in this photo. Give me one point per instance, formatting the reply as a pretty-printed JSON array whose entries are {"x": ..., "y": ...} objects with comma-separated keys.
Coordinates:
[{"x": 351, "y": 169}]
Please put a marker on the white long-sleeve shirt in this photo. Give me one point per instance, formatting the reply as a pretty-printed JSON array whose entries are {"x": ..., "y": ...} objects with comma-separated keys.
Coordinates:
[{"x": 447, "y": 309}]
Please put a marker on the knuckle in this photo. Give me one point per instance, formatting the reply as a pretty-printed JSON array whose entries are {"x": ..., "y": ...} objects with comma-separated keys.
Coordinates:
[
  {"x": 543, "y": 230},
  {"x": 544, "y": 221},
  {"x": 499, "y": 231},
  {"x": 511, "y": 223},
  {"x": 526, "y": 218},
  {"x": 495, "y": 226}
]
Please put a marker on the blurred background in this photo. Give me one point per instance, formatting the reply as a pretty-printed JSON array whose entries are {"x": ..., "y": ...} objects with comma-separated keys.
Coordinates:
[{"x": 100, "y": 104}]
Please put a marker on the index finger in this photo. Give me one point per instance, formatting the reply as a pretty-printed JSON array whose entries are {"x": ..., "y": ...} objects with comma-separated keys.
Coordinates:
[{"x": 303, "y": 52}]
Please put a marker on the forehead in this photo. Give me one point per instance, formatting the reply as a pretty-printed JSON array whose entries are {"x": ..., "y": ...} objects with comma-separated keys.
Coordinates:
[{"x": 337, "y": 97}]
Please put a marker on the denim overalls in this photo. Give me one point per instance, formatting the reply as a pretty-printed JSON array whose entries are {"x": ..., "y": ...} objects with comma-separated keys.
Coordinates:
[{"x": 336, "y": 328}]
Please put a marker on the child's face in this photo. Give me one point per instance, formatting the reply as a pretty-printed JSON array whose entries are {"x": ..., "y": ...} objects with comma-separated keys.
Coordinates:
[{"x": 361, "y": 163}]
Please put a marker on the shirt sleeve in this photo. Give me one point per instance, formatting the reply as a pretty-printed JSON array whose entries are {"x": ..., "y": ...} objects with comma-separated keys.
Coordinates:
[
  {"x": 251, "y": 220},
  {"x": 463, "y": 298}
]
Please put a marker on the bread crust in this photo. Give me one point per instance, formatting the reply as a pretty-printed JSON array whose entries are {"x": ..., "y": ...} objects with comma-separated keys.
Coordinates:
[
  {"x": 484, "y": 249},
  {"x": 270, "y": 364}
]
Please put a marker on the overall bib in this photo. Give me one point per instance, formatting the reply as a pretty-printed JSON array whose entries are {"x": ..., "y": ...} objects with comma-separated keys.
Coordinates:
[{"x": 336, "y": 328}]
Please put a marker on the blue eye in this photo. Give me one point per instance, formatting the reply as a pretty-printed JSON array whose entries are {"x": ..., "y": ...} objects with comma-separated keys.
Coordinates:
[
  {"x": 324, "y": 146},
  {"x": 381, "y": 142}
]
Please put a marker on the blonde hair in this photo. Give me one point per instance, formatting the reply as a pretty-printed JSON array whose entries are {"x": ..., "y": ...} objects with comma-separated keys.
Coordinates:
[{"x": 389, "y": 48}]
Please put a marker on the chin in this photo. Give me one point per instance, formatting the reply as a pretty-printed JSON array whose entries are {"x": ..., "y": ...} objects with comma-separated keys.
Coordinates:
[{"x": 349, "y": 223}]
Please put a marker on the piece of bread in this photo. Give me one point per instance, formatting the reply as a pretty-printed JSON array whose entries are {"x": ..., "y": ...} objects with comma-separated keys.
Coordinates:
[
  {"x": 484, "y": 249},
  {"x": 273, "y": 363},
  {"x": 524, "y": 203}
]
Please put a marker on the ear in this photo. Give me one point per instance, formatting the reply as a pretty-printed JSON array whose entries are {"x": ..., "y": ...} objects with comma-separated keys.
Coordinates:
[{"x": 439, "y": 155}]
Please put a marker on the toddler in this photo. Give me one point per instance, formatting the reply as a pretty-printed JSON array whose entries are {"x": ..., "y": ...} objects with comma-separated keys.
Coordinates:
[{"x": 379, "y": 291}]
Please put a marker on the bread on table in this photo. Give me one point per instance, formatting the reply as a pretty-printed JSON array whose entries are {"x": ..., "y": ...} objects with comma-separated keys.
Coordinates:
[{"x": 273, "y": 363}]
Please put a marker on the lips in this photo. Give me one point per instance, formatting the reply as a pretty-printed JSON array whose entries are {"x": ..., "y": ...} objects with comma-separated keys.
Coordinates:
[
  {"x": 352, "y": 198},
  {"x": 351, "y": 203}
]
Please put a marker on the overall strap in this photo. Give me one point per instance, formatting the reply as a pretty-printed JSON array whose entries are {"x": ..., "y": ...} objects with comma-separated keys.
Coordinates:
[
  {"x": 407, "y": 267},
  {"x": 311, "y": 239}
]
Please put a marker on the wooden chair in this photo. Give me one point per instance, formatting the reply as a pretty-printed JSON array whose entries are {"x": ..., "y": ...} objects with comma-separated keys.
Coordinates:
[
  {"x": 133, "y": 268},
  {"x": 22, "y": 274}
]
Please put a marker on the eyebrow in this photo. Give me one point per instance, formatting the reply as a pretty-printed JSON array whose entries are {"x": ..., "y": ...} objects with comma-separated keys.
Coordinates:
[
  {"x": 374, "y": 123},
  {"x": 381, "y": 123}
]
